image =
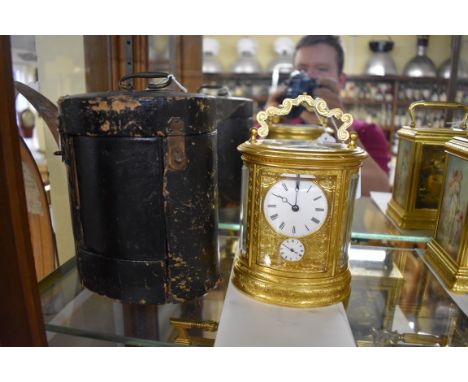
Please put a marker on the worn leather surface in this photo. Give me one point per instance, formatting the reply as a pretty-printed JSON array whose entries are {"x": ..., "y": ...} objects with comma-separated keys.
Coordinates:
[{"x": 143, "y": 182}]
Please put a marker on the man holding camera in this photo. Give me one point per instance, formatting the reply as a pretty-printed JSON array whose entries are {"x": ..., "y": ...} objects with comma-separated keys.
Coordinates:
[{"x": 322, "y": 58}]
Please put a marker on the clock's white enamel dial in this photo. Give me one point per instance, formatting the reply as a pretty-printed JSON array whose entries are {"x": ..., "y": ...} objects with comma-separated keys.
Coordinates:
[
  {"x": 295, "y": 206},
  {"x": 291, "y": 250}
]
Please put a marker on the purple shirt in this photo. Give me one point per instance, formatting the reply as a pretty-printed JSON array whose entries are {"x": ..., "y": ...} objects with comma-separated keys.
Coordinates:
[{"x": 373, "y": 139}]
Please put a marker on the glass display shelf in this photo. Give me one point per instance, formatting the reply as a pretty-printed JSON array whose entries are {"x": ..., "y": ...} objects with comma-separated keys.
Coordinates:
[
  {"x": 395, "y": 301},
  {"x": 369, "y": 224},
  {"x": 73, "y": 313}
]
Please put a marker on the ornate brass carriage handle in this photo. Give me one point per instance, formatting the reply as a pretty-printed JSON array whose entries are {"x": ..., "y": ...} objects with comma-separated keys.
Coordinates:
[
  {"x": 437, "y": 105},
  {"x": 311, "y": 104},
  {"x": 183, "y": 337}
]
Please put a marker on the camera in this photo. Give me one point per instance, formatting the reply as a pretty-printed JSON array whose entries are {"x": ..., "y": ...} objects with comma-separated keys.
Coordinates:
[{"x": 297, "y": 84}]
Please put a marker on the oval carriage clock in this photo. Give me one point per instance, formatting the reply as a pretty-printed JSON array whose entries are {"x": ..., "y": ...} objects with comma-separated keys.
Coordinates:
[
  {"x": 298, "y": 199},
  {"x": 420, "y": 169}
]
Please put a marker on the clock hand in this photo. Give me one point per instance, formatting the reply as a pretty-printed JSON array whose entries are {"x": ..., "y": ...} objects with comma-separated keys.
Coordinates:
[
  {"x": 298, "y": 181},
  {"x": 283, "y": 199},
  {"x": 292, "y": 250}
]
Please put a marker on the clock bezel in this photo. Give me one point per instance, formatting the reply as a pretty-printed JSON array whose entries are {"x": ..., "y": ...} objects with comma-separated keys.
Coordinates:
[
  {"x": 292, "y": 177},
  {"x": 287, "y": 240}
]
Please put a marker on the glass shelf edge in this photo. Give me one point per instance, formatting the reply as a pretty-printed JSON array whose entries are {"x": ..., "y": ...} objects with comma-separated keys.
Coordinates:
[{"x": 128, "y": 341}]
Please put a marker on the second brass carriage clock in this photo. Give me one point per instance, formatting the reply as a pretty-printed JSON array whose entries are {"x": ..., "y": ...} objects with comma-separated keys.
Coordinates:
[
  {"x": 420, "y": 169},
  {"x": 447, "y": 252},
  {"x": 298, "y": 199}
]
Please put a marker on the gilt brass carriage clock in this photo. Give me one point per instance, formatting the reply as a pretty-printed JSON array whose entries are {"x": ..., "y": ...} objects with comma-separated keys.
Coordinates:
[
  {"x": 420, "y": 169},
  {"x": 448, "y": 250},
  {"x": 298, "y": 199}
]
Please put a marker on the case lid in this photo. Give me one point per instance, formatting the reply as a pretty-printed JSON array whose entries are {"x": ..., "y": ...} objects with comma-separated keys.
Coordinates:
[
  {"x": 228, "y": 107},
  {"x": 296, "y": 132},
  {"x": 458, "y": 145},
  {"x": 152, "y": 112},
  {"x": 293, "y": 153},
  {"x": 293, "y": 147},
  {"x": 304, "y": 145}
]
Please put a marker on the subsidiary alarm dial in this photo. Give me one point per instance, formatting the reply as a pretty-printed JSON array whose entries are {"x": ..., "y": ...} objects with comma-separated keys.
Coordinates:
[{"x": 291, "y": 250}]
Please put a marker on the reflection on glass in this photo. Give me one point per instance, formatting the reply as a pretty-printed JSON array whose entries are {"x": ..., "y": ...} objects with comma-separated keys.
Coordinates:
[
  {"x": 343, "y": 261},
  {"x": 370, "y": 223},
  {"x": 396, "y": 301},
  {"x": 69, "y": 308},
  {"x": 243, "y": 214},
  {"x": 159, "y": 52},
  {"x": 403, "y": 171},
  {"x": 430, "y": 177}
]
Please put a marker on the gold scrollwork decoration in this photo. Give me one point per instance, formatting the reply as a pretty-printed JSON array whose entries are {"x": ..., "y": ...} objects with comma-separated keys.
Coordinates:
[{"x": 311, "y": 104}]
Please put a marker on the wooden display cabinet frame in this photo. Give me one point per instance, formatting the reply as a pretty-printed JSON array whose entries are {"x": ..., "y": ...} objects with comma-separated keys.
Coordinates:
[{"x": 20, "y": 309}]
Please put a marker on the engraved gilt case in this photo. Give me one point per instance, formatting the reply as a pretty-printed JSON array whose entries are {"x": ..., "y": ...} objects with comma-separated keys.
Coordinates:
[{"x": 298, "y": 199}]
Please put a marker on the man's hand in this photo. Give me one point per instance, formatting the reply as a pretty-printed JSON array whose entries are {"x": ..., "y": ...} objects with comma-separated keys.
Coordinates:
[
  {"x": 273, "y": 99},
  {"x": 329, "y": 90}
]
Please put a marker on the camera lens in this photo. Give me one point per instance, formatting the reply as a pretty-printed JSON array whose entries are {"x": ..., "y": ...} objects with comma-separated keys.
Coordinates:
[{"x": 299, "y": 83}]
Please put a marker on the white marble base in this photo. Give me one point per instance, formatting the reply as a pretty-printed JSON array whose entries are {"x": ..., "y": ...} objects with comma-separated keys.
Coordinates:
[{"x": 248, "y": 322}]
